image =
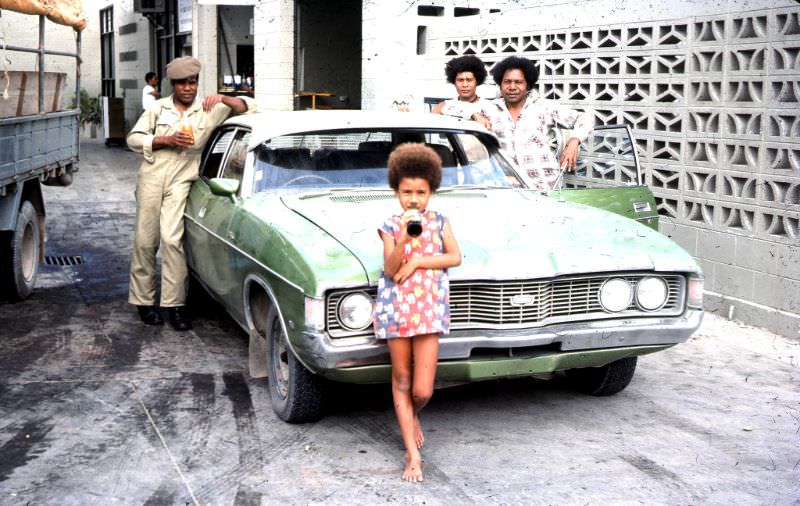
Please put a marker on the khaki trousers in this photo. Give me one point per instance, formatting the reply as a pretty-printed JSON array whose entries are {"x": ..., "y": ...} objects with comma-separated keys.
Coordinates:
[{"x": 160, "y": 202}]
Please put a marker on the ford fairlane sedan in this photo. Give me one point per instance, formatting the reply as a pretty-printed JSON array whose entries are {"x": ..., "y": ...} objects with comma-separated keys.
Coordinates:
[{"x": 281, "y": 229}]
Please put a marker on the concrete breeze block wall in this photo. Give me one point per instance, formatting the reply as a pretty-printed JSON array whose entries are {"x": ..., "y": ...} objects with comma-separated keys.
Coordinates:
[{"x": 712, "y": 92}]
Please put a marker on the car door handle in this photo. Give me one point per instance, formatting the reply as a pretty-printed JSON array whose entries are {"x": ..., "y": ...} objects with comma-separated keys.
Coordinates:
[
  {"x": 201, "y": 213},
  {"x": 231, "y": 235}
]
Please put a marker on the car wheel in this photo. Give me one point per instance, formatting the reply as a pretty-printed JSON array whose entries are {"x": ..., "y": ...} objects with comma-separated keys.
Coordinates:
[
  {"x": 20, "y": 254},
  {"x": 607, "y": 380},
  {"x": 297, "y": 395}
]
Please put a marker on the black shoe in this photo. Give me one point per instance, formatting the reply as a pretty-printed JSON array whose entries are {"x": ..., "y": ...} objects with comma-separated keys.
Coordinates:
[
  {"x": 150, "y": 315},
  {"x": 178, "y": 318}
]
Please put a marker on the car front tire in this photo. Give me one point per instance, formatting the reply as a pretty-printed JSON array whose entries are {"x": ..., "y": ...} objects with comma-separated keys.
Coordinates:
[
  {"x": 297, "y": 395},
  {"x": 606, "y": 380}
]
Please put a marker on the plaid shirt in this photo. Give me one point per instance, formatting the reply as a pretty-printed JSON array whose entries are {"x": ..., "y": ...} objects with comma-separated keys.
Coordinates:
[{"x": 526, "y": 143}]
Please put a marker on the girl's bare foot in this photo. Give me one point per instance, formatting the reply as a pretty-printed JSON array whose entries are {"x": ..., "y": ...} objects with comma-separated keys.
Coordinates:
[
  {"x": 413, "y": 470},
  {"x": 419, "y": 437}
]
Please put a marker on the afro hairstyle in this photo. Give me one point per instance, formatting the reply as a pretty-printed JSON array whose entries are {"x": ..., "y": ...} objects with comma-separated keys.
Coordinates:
[
  {"x": 516, "y": 62},
  {"x": 467, "y": 63},
  {"x": 414, "y": 160}
]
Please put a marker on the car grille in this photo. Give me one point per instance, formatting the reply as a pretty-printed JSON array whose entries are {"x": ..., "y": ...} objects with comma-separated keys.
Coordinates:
[{"x": 527, "y": 303}]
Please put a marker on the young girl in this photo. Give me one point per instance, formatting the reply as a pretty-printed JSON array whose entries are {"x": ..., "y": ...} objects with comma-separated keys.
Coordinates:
[{"x": 412, "y": 307}]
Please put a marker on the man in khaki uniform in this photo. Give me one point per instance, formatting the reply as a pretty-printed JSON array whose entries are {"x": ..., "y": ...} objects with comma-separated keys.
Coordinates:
[{"x": 171, "y": 135}]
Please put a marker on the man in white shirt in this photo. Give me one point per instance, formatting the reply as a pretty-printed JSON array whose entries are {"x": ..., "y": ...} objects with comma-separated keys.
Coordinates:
[{"x": 149, "y": 93}]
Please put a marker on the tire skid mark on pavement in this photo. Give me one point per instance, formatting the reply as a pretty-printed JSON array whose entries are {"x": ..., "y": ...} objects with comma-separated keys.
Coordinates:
[
  {"x": 238, "y": 392},
  {"x": 244, "y": 476},
  {"x": 204, "y": 407},
  {"x": 164, "y": 494},
  {"x": 704, "y": 434},
  {"x": 386, "y": 436},
  {"x": 247, "y": 497},
  {"x": 654, "y": 470},
  {"x": 282, "y": 438},
  {"x": 153, "y": 426},
  {"x": 28, "y": 443}
]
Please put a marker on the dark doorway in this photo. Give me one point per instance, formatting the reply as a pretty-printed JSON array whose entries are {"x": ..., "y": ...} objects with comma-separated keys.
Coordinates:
[{"x": 328, "y": 56}]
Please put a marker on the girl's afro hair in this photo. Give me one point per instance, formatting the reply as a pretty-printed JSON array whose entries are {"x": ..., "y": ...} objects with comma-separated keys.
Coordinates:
[
  {"x": 516, "y": 62},
  {"x": 467, "y": 63},
  {"x": 415, "y": 160}
]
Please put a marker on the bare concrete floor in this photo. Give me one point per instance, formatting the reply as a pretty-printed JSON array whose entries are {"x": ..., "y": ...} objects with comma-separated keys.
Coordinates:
[{"x": 96, "y": 408}]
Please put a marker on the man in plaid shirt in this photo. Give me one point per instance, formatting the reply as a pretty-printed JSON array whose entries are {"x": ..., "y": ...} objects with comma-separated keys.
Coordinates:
[{"x": 521, "y": 119}]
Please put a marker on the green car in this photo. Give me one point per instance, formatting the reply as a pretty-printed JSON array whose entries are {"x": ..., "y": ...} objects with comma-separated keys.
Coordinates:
[{"x": 281, "y": 229}]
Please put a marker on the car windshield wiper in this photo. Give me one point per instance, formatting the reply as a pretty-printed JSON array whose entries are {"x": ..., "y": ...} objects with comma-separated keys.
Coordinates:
[
  {"x": 353, "y": 189},
  {"x": 472, "y": 187}
]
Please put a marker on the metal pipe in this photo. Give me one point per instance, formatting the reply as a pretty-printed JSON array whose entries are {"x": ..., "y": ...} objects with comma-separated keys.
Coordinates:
[
  {"x": 78, "y": 90},
  {"x": 37, "y": 51},
  {"x": 41, "y": 64}
]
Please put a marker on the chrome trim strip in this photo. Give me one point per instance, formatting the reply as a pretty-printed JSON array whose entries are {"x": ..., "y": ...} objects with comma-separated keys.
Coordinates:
[
  {"x": 244, "y": 253},
  {"x": 325, "y": 353}
]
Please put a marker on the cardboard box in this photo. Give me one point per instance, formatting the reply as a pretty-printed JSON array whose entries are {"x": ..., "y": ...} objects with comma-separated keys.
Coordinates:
[{"x": 23, "y": 91}]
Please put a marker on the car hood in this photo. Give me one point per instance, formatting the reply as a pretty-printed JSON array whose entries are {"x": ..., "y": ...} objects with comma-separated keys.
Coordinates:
[{"x": 503, "y": 234}]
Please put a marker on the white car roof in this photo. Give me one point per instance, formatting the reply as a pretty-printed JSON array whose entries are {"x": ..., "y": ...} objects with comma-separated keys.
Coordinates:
[{"x": 269, "y": 124}]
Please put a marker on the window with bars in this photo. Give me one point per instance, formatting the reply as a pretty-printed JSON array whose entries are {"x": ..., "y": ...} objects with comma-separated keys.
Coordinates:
[{"x": 107, "y": 53}]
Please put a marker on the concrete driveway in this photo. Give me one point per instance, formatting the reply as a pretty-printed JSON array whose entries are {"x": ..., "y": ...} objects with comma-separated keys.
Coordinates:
[{"x": 96, "y": 408}]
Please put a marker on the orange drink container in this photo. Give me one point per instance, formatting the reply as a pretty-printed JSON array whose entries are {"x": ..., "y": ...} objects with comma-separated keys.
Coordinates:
[{"x": 186, "y": 127}]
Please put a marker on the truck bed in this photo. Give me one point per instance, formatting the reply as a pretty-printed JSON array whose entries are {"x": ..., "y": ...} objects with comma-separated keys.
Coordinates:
[{"x": 40, "y": 145}]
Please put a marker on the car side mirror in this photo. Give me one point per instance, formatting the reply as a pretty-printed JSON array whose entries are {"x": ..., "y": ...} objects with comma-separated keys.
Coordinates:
[{"x": 224, "y": 187}]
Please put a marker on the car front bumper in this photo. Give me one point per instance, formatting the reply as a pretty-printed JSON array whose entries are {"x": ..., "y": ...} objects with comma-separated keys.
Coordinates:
[{"x": 469, "y": 355}]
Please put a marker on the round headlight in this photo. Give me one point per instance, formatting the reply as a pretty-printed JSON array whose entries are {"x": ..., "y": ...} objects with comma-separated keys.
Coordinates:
[
  {"x": 616, "y": 294},
  {"x": 651, "y": 293},
  {"x": 355, "y": 311}
]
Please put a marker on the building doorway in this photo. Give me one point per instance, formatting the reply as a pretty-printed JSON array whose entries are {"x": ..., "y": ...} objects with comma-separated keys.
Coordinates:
[{"x": 328, "y": 54}]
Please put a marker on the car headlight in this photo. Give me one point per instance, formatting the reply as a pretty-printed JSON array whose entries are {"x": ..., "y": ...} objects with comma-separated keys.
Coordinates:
[
  {"x": 651, "y": 293},
  {"x": 355, "y": 311},
  {"x": 616, "y": 294}
]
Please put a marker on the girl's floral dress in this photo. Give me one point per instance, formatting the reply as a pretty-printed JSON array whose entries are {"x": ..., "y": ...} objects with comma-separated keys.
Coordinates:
[{"x": 420, "y": 304}]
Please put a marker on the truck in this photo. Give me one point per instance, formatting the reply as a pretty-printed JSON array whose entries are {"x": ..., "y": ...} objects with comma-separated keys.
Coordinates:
[{"x": 39, "y": 145}]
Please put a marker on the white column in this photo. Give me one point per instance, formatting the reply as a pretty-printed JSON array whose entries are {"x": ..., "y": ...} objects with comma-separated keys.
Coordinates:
[
  {"x": 205, "y": 46},
  {"x": 274, "y": 43}
]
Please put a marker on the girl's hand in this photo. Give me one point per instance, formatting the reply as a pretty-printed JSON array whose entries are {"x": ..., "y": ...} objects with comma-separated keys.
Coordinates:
[{"x": 406, "y": 270}]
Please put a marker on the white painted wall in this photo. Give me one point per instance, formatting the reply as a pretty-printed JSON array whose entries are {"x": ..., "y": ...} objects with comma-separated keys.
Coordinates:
[{"x": 23, "y": 30}]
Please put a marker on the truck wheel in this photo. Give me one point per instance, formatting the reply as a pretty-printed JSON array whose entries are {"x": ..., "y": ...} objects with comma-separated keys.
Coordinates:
[
  {"x": 602, "y": 381},
  {"x": 297, "y": 395},
  {"x": 21, "y": 258}
]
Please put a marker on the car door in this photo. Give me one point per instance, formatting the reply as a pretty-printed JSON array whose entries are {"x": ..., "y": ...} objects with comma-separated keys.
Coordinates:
[
  {"x": 207, "y": 216},
  {"x": 608, "y": 175}
]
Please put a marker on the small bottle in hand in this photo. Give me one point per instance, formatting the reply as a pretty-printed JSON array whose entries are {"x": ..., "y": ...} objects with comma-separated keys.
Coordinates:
[{"x": 185, "y": 127}]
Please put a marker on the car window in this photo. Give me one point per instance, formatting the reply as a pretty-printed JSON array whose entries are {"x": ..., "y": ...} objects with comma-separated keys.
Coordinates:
[
  {"x": 607, "y": 158},
  {"x": 214, "y": 155},
  {"x": 237, "y": 153},
  {"x": 352, "y": 159}
]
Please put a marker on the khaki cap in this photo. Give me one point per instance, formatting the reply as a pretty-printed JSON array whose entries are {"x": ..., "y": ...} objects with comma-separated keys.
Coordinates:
[{"x": 183, "y": 67}]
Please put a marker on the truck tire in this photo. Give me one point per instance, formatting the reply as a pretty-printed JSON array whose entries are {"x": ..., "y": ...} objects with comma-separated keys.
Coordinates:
[
  {"x": 603, "y": 381},
  {"x": 21, "y": 255},
  {"x": 297, "y": 395}
]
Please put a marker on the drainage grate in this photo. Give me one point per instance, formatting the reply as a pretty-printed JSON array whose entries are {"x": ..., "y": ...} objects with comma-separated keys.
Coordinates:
[{"x": 63, "y": 260}]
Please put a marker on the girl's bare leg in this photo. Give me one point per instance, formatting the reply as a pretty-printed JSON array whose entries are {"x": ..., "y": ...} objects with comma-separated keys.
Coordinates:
[
  {"x": 400, "y": 352},
  {"x": 426, "y": 356}
]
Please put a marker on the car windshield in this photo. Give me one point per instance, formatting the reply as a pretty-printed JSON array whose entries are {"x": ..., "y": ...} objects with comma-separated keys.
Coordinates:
[{"x": 358, "y": 159}]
